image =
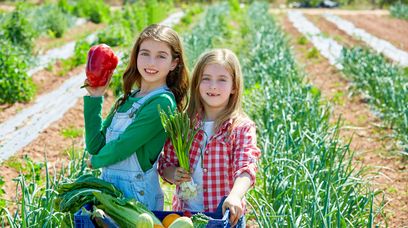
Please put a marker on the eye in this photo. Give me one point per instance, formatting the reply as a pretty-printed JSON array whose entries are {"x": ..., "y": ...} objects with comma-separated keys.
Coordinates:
[
  {"x": 144, "y": 54},
  {"x": 162, "y": 57},
  {"x": 205, "y": 79}
]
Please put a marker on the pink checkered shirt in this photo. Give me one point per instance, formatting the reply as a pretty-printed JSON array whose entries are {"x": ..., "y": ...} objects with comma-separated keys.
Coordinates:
[{"x": 225, "y": 157}]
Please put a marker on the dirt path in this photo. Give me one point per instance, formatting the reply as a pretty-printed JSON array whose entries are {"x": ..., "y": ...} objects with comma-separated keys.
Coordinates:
[
  {"x": 329, "y": 29},
  {"x": 373, "y": 150},
  {"x": 333, "y": 11},
  {"x": 384, "y": 27}
]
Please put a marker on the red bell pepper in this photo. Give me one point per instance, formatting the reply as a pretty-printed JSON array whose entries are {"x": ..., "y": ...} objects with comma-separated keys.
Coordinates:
[{"x": 101, "y": 63}]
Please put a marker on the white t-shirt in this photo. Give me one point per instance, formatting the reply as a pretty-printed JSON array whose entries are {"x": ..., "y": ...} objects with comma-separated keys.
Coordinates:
[{"x": 197, "y": 203}]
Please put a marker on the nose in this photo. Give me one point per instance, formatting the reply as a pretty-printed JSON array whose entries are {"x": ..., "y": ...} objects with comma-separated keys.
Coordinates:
[
  {"x": 213, "y": 84},
  {"x": 150, "y": 61}
]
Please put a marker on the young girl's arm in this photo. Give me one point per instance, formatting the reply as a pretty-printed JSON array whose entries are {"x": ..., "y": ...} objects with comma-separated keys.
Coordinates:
[
  {"x": 95, "y": 127},
  {"x": 234, "y": 200},
  {"x": 246, "y": 154}
]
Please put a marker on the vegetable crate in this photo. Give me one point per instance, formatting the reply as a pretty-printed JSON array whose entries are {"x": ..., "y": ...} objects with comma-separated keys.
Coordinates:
[
  {"x": 217, "y": 218},
  {"x": 84, "y": 221}
]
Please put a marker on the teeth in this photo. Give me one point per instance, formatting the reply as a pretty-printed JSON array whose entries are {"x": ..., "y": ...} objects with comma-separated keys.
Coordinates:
[{"x": 151, "y": 71}]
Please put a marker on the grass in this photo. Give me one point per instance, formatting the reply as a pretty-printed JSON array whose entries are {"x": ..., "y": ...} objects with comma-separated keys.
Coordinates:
[
  {"x": 72, "y": 132},
  {"x": 312, "y": 53},
  {"x": 14, "y": 163},
  {"x": 338, "y": 98},
  {"x": 302, "y": 40}
]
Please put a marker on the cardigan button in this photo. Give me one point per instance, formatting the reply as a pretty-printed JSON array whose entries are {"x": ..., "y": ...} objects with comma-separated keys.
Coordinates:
[
  {"x": 141, "y": 193},
  {"x": 205, "y": 170}
]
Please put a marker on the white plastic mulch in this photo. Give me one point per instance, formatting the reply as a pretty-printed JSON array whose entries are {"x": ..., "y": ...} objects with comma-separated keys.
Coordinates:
[
  {"x": 24, "y": 127},
  {"x": 379, "y": 45},
  {"x": 326, "y": 46}
]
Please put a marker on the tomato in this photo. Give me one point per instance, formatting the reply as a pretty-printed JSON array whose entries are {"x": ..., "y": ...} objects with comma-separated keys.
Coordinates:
[
  {"x": 187, "y": 214},
  {"x": 101, "y": 63}
]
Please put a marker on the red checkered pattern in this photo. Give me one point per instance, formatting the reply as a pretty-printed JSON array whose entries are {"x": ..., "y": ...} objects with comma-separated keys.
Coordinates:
[{"x": 226, "y": 156}]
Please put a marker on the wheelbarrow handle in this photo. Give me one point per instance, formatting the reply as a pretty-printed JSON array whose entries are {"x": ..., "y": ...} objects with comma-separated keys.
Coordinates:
[{"x": 226, "y": 216}]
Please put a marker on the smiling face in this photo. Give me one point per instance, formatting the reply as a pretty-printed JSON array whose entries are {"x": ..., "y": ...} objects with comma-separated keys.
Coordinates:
[
  {"x": 154, "y": 62},
  {"x": 216, "y": 86}
]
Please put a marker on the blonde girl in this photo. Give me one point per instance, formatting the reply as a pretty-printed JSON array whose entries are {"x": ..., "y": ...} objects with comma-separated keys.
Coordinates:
[
  {"x": 224, "y": 153},
  {"x": 127, "y": 143}
]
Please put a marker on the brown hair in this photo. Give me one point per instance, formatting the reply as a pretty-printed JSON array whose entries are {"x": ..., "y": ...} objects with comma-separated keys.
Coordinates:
[
  {"x": 233, "y": 110},
  {"x": 177, "y": 80}
]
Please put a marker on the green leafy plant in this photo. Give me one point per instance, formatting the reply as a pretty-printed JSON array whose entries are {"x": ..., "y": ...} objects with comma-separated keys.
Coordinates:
[
  {"x": 312, "y": 53},
  {"x": 65, "y": 6},
  {"x": 18, "y": 30},
  {"x": 81, "y": 51},
  {"x": 115, "y": 35},
  {"x": 302, "y": 40},
  {"x": 384, "y": 84},
  {"x": 71, "y": 132},
  {"x": 15, "y": 84},
  {"x": 56, "y": 22},
  {"x": 96, "y": 11},
  {"x": 399, "y": 10}
]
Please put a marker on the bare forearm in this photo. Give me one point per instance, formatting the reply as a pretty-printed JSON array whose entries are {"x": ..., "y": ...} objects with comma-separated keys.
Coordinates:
[{"x": 241, "y": 185}]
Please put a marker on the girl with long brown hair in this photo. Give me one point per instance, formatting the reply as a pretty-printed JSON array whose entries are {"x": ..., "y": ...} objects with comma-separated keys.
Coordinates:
[{"x": 127, "y": 143}]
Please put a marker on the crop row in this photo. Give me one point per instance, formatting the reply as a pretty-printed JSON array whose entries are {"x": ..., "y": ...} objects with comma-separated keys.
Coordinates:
[
  {"x": 383, "y": 84},
  {"x": 306, "y": 176}
]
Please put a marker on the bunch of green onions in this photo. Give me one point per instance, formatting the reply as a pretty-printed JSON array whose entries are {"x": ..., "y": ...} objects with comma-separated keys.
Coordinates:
[{"x": 181, "y": 132}]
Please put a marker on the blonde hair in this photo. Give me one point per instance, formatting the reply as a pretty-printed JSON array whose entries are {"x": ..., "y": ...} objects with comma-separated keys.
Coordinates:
[
  {"x": 230, "y": 62},
  {"x": 177, "y": 80}
]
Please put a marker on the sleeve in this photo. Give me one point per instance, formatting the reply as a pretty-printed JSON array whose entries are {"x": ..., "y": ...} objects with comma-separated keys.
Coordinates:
[
  {"x": 167, "y": 158},
  {"x": 146, "y": 125},
  {"x": 95, "y": 128},
  {"x": 246, "y": 152}
]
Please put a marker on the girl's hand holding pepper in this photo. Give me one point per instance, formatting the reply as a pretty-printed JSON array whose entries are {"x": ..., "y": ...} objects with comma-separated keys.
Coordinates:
[{"x": 96, "y": 91}]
